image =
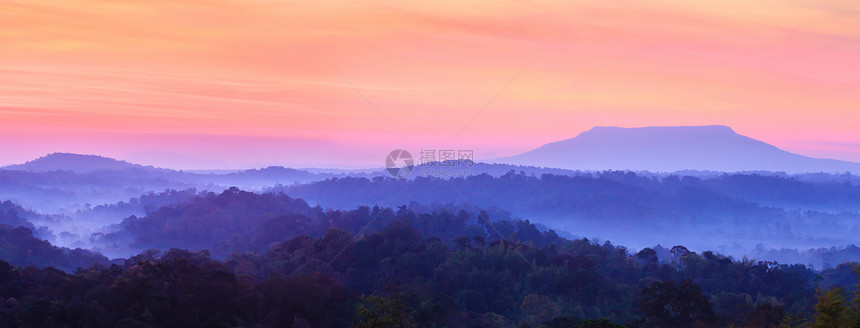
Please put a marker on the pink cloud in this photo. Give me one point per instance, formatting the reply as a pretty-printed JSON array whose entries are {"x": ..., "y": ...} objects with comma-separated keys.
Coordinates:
[{"x": 775, "y": 70}]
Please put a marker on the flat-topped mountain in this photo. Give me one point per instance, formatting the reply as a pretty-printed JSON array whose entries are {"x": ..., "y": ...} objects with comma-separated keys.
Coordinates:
[{"x": 669, "y": 149}]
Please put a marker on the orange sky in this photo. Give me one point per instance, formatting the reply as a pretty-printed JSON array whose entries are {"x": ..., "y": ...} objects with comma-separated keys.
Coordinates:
[{"x": 241, "y": 82}]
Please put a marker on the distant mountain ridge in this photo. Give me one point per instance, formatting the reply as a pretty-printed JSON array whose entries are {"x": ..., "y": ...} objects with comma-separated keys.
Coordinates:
[
  {"x": 75, "y": 163},
  {"x": 670, "y": 149},
  {"x": 65, "y": 182}
]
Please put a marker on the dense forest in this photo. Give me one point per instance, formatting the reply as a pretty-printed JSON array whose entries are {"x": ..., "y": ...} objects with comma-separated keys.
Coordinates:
[
  {"x": 802, "y": 218},
  {"x": 729, "y": 213},
  {"x": 822, "y": 192},
  {"x": 293, "y": 265}
]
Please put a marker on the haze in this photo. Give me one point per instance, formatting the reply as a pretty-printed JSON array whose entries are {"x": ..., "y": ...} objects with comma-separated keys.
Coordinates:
[{"x": 504, "y": 164}]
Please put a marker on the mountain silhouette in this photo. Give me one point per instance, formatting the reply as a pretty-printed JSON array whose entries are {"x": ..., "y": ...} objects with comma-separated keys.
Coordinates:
[
  {"x": 670, "y": 149},
  {"x": 75, "y": 163}
]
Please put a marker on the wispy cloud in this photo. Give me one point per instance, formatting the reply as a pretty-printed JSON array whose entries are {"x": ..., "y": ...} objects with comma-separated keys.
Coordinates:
[{"x": 773, "y": 69}]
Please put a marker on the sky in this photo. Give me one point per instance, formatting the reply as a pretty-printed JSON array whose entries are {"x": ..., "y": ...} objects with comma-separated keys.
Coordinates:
[{"x": 244, "y": 83}]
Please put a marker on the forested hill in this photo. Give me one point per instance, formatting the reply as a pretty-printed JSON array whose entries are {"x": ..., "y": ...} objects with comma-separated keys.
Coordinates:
[
  {"x": 19, "y": 247},
  {"x": 400, "y": 272},
  {"x": 273, "y": 260},
  {"x": 237, "y": 220},
  {"x": 23, "y": 244},
  {"x": 618, "y": 189},
  {"x": 731, "y": 213}
]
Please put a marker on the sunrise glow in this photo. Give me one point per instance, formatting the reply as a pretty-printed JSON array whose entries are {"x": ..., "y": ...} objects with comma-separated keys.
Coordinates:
[{"x": 229, "y": 83}]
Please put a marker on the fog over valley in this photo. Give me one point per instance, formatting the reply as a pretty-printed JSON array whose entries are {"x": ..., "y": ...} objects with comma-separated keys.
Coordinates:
[{"x": 810, "y": 218}]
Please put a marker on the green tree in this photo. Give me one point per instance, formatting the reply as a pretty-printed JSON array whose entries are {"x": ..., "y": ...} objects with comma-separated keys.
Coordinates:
[
  {"x": 854, "y": 313},
  {"x": 792, "y": 320},
  {"x": 598, "y": 323},
  {"x": 383, "y": 312},
  {"x": 666, "y": 304},
  {"x": 831, "y": 311}
]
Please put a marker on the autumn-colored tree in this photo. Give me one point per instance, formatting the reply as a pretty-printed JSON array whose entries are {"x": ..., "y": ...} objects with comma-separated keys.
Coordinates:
[{"x": 539, "y": 309}]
